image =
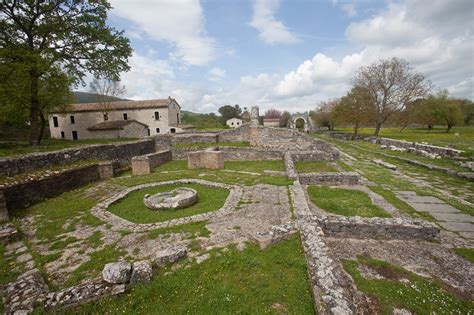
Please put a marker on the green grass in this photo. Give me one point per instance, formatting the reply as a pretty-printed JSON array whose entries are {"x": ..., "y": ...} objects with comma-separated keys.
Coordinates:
[
  {"x": 6, "y": 273},
  {"x": 23, "y": 147},
  {"x": 467, "y": 253},
  {"x": 94, "y": 266},
  {"x": 61, "y": 244},
  {"x": 345, "y": 202},
  {"x": 436, "y": 136},
  {"x": 252, "y": 281},
  {"x": 202, "y": 145},
  {"x": 420, "y": 295},
  {"x": 95, "y": 240},
  {"x": 400, "y": 204},
  {"x": 255, "y": 166},
  {"x": 346, "y": 167},
  {"x": 194, "y": 229},
  {"x": 133, "y": 209},
  {"x": 314, "y": 167}
]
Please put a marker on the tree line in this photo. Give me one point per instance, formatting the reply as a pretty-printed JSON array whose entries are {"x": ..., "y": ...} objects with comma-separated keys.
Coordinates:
[{"x": 391, "y": 92}]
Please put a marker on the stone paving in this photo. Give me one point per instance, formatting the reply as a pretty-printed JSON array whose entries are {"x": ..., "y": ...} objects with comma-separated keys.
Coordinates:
[{"x": 447, "y": 216}]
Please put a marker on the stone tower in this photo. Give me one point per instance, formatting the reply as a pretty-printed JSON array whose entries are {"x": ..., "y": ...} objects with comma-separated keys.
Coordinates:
[{"x": 254, "y": 116}]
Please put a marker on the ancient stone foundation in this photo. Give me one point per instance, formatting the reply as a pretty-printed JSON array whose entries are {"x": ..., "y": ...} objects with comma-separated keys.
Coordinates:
[
  {"x": 209, "y": 158},
  {"x": 331, "y": 179},
  {"x": 144, "y": 164}
]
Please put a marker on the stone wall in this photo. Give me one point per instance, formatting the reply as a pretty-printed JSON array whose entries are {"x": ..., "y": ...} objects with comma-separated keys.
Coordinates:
[
  {"x": 234, "y": 153},
  {"x": 209, "y": 158},
  {"x": 3, "y": 208},
  {"x": 378, "y": 228},
  {"x": 122, "y": 152},
  {"x": 309, "y": 156},
  {"x": 443, "y": 151},
  {"x": 194, "y": 137},
  {"x": 144, "y": 164},
  {"x": 328, "y": 178},
  {"x": 25, "y": 194}
]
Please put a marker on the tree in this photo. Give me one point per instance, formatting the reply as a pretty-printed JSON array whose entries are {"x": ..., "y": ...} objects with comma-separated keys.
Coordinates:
[
  {"x": 39, "y": 36},
  {"x": 285, "y": 119},
  {"x": 272, "y": 113},
  {"x": 228, "y": 111},
  {"x": 391, "y": 84},
  {"x": 106, "y": 90},
  {"x": 323, "y": 115},
  {"x": 447, "y": 110},
  {"x": 356, "y": 108}
]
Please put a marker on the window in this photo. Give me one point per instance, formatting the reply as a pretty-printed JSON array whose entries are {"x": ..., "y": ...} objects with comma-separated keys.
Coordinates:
[
  {"x": 106, "y": 116},
  {"x": 238, "y": 123},
  {"x": 63, "y": 135},
  {"x": 172, "y": 130},
  {"x": 148, "y": 131},
  {"x": 232, "y": 123},
  {"x": 55, "y": 121},
  {"x": 73, "y": 121},
  {"x": 157, "y": 130},
  {"x": 74, "y": 135},
  {"x": 157, "y": 115},
  {"x": 125, "y": 116},
  {"x": 177, "y": 117}
]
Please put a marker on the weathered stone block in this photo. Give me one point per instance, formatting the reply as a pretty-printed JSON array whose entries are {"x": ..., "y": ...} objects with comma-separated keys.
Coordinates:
[
  {"x": 144, "y": 164},
  {"x": 117, "y": 272},
  {"x": 3, "y": 208},
  {"x": 141, "y": 272},
  {"x": 106, "y": 170},
  {"x": 169, "y": 255},
  {"x": 210, "y": 158}
]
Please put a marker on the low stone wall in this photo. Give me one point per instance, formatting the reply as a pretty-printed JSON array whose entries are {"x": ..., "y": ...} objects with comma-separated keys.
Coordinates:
[
  {"x": 443, "y": 151},
  {"x": 209, "y": 158},
  {"x": 122, "y": 152},
  {"x": 345, "y": 135},
  {"x": 378, "y": 228},
  {"x": 234, "y": 153},
  {"x": 24, "y": 194},
  {"x": 310, "y": 156},
  {"x": 330, "y": 179},
  {"x": 194, "y": 137},
  {"x": 290, "y": 166},
  {"x": 144, "y": 164},
  {"x": 3, "y": 208}
]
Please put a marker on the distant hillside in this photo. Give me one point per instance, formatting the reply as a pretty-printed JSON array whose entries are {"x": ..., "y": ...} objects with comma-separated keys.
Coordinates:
[{"x": 85, "y": 97}]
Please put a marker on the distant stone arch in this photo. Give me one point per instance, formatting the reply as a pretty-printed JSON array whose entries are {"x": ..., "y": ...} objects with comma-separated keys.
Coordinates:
[{"x": 301, "y": 117}]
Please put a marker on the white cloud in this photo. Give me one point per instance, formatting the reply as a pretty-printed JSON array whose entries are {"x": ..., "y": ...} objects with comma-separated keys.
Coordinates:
[
  {"x": 216, "y": 74},
  {"x": 270, "y": 29},
  {"x": 349, "y": 9},
  {"x": 180, "y": 22}
]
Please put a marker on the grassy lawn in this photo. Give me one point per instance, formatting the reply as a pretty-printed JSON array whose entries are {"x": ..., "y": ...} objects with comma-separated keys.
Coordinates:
[
  {"x": 436, "y": 136},
  {"x": 467, "y": 253},
  {"x": 132, "y": 208},
  {"x": 23, "y": 147},
  {"x": 419, "y": 295},
  {"x": 345, "y": 202},
  {"x": 314, "y": 167},
  {"x": 202, "y": 145},
  {"x": 252, "y": 281},
  {"x": 255, "y": 166}
]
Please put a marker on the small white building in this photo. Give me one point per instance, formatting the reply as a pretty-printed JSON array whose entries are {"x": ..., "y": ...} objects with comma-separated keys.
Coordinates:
[
  {"x": 234, "y": 122},
  {"x": 106, "y": 120}
]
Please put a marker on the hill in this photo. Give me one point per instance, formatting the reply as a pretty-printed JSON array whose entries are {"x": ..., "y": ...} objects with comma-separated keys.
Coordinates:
[{"x": 85, "y": 97}]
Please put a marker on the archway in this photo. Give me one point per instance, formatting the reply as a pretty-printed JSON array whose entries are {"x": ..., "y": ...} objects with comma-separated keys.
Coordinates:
[{"x": 300, "y": 124}]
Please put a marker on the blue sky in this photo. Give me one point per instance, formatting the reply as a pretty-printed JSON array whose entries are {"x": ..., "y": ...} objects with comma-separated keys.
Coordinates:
[{"x": 289, "y": 55}]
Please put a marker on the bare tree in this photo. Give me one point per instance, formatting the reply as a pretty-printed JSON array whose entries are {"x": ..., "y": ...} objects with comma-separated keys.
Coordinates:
[
  {"x": 391, "y": 84},
  {"x": 272, "y": 113},
  {"x": 106, "y": 90}
]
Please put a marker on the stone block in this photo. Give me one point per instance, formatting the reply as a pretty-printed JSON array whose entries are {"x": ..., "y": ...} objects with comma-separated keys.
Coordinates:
[
  {"x": 210, "y": 158},
  {"x": 3, "y": 208},
  {"x": 144, "y": 164},
  {"x": 141, "y": 272},
  {"x": 117, "y": 272},
  {"x": 106, "y": 170},
  {"x": 169, "y": 255}
]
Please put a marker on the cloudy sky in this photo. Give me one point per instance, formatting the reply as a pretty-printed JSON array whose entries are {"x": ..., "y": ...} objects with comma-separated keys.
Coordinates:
[{"x": 287, "y": 54}]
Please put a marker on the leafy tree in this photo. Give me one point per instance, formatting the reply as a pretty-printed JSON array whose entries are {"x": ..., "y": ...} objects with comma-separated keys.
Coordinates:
[
  {"x": 391, "y": 84},
  {"x": 228, "y": 111},
  {"x": 447, "y": 110},
  {"x": 323, "y": 116},
  {"x": 356, "y": 108},
  {"x": 285, "y": 119},
  {"x": 37, "y": 37},
  {"x": 272, "y": 113}
]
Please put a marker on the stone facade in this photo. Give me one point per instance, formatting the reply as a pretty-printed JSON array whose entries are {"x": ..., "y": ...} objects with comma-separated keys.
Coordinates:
[
  {"x": 331, "y": 179},
  {"x": 144, "y": 164},
  {"x": 30, "y": 162},
  {"x": 234, "y": 122},
  {"x": 209, "y": 158},
  {"x": 158, "y": 115},
  {"x": 118, "y": 129}
]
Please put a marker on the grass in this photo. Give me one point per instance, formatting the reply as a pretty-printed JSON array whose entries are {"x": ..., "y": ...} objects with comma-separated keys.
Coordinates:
[
  {"x": 314, "y": 167},
  {"x": 255, "y": 166},
  {"x": 467, "y": 253},
  {"x": 61, "y": 244},
  {"x": 194, "y": 229},
  {"x": 133, "y": 209},
  {"x": 252, "y": 281},
  {"x": 23, "y": 147},
  {"x": 202, "y": 145},
  {"x": 400, "y": 204},
  {"x": 419, "y": 295},
  {"x": 6, "y": 273},
  {"x": 94, "y": 265},
  {"x": 345, "y": 166},
  {"x": 345, "y": 202},
  {"x": 436, "y": 136}
]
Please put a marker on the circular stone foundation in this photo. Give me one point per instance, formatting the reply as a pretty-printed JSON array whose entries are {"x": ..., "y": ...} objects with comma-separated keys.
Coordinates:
[{"x": 175, "y": 199}]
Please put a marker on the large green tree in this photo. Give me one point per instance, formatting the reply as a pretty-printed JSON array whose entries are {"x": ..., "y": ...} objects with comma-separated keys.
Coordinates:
[
  {"x": 355, "y": 108},
  {"x": 40, "y": 37},
  {"x": 228, "y": 111}
]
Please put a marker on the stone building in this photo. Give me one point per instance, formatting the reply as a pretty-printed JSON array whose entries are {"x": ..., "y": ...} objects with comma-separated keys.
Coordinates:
[
  {"x": 107, "y": 120},
  {"x": 234, "y": 122},
  {"x": 271, "y": 122}
]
